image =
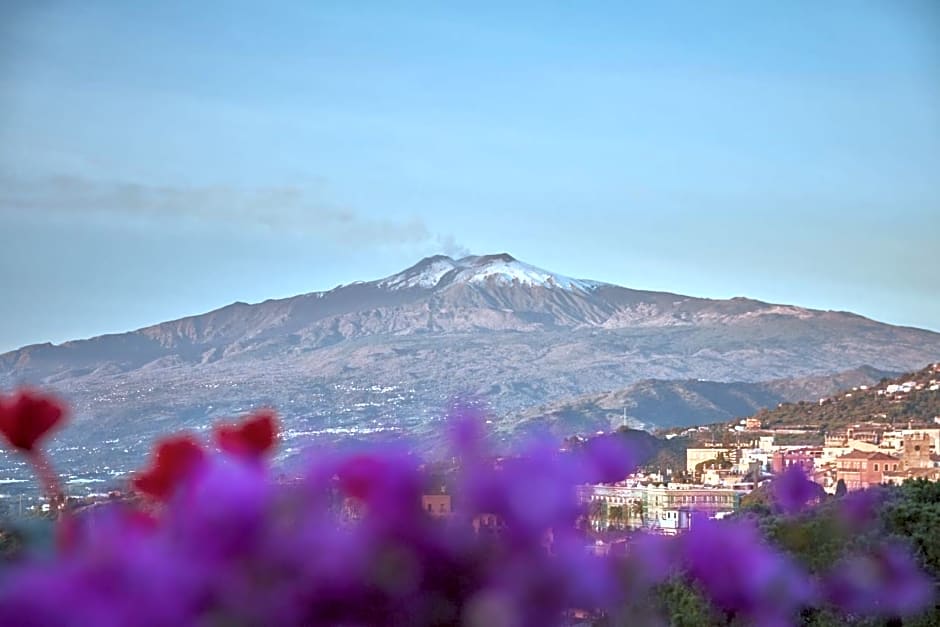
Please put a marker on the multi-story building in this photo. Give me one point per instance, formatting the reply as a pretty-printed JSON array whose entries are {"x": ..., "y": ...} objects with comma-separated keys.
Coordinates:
[
  {"x": 765, "y": 443},
  {"x": 895, "y": 439},
  {"x": 664, "y": 508},
  {"x": 803, "y": 457},
  {"x": 747, "y": 457},
  {"x": 871, "y": 433},
  {"x": 917, "y": 450},
  {"x": 696, "y": 456},
  {"x": 837, "y": 447},
  {"x": 903, "y": 454},
  {"x": 918, "y": 459},
  {"x": 860, "y": 469}
]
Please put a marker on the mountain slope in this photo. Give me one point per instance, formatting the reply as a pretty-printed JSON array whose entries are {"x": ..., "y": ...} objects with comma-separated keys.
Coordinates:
[
  {"x": 443, "y": 296},
  {"x": 387, "y": 356},
  {"x": 666, "y": 404},
  {"x": 914, "y": 396}
]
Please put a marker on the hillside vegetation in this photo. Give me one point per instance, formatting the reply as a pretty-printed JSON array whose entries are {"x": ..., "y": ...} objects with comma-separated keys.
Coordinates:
[
  {"x": 656, "y": 403},
  {"x": 910, "y": 397}
]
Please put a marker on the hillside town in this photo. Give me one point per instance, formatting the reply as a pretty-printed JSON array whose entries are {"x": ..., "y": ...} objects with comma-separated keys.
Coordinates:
[{"x": 719, "y": 474}]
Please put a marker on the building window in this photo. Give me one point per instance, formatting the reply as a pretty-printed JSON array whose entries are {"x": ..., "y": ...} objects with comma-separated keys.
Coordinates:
[
  {"x": 876, "y": 467},
  {"x": 895, "y": 466}
]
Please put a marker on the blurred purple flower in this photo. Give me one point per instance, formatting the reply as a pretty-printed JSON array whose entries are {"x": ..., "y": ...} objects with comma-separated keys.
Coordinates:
[
  {"x": 792, "y": 489},
  {"x": 608, "y": 459},
  {"x": 119, "y": 571},
  {"x": 465, "y": 423},
  {"x": 654, "y": 557},
  {"x": 739, "y": 572},
  {"x": 221, "y": 512},
  {"x": 229, "y": 545},
  {"x": 885, "y": 582},
  {"x": 387, "y": 483},
  {"x": 856, "y": 510}
]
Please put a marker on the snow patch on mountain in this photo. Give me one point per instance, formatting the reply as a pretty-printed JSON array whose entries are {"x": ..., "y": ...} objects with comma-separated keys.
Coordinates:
[
  {"x": 511, "y": 272},
  {"x": 787, "y": 310},
  {"x": 426, "y": 274},
  {"x": 500, "y": 269}
]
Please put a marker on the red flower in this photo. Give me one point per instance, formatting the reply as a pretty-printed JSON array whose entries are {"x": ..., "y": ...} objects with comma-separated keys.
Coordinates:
[
  {"x": 27, "y": 416},
  {"x": 175, "y": 459},
  {"x": 253, "y": 437},
  {"x": 359, "y": 475}
]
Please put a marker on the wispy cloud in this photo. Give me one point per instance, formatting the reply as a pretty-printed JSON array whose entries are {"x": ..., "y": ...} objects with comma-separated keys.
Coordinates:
[
  {"x": 447, "y": 245},
  {"x": 279, "y": 208}
]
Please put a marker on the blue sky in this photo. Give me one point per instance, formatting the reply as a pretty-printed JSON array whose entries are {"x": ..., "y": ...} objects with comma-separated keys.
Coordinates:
[{"x": 164, "y": 160}]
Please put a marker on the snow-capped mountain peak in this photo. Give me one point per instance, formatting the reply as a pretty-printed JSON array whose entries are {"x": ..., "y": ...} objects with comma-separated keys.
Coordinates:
[
  {"x": 501, "y": 269},
  {"x": 427, "y": 273},
  {"x": 504, "y": 269}
]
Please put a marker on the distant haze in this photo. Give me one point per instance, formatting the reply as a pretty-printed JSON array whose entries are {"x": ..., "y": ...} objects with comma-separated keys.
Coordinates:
[{"x": 167, "y": 159}]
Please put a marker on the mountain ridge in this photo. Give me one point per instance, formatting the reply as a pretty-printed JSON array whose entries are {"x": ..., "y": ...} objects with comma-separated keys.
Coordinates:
[
  {"x": 363, "y": 359},
  {"x": 681, "y": 403},
  {"x": 152, "y": 330},
  {"x": 739, "y": 305}
]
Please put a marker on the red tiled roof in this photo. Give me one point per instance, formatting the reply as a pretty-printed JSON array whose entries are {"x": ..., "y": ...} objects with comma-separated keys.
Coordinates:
[
  {"x": 872, "y": 455},
  {"x": 854, "y": 454},
  {"x": 877, "y": 455}
]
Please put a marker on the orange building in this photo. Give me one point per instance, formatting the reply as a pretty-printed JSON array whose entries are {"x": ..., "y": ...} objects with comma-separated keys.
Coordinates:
[{"x": 860, "y": 469}]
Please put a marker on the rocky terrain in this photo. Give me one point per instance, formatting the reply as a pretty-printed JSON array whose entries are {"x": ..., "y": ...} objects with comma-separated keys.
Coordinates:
[{"x": 384, "y": 358}]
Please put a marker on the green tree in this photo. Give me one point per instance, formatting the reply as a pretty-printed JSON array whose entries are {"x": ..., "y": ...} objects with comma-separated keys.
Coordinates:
[
  {"x": 683, "y": 605},
  {"x": 598, "y": 513},
  {"x": 616, "y": 516},
  {"x": 638, "y": 510},
  {"x": 841, "y": 490},
  {"x": 914, "y": 515}
]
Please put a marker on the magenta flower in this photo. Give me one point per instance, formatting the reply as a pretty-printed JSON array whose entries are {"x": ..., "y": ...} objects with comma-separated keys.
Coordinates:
[
  {"x": 119, "y": 571},
  {"x": 885, "y": 582},
  {"x": 221, "y": 511},
  {"x": 608, "y": 459},
  {"x": 741, "y": 573},
  {"x": 858, "y": 509},
  {"x": 793, "y": 490},
  {"x": 348, "y": 543}
]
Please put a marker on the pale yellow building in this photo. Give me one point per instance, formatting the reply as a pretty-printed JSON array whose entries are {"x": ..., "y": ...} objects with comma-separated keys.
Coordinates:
[{"x": 695, "y": 456}]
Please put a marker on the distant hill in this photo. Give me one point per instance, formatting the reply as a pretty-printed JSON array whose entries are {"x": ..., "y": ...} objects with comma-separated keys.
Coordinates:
[
  {"x": 914, "y": 396},
  {"x": 663, "y": 404}
]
